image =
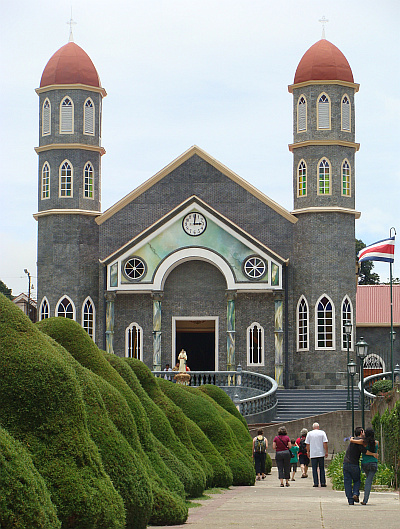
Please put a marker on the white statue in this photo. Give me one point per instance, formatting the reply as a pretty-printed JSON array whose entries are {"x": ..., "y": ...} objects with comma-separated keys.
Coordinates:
[{"x": 182, "y": 357}]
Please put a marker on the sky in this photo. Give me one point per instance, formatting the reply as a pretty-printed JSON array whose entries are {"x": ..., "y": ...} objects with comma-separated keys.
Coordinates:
[{"x": 212, "y": 73}]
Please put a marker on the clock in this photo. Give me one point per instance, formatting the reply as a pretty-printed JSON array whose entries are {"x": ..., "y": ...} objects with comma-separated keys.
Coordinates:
[{"x": 194, "y": 224}]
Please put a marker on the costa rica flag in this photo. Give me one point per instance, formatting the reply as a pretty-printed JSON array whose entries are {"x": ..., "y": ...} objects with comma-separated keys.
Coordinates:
[{"x": 379, "y": 251}]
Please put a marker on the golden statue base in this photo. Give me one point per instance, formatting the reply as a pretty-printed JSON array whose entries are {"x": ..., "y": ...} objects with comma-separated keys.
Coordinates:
[{"x": 182, "y": 378}]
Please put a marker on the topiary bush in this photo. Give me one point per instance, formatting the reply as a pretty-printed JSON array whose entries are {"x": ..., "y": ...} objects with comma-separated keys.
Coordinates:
[
  {"x": 41, "y": 405},
  {"x": 223, "y": 400},
  {"x": 381, "y": 386},
  {"x": 74, "y": 338},
  {"x": 25, "y": 501}
]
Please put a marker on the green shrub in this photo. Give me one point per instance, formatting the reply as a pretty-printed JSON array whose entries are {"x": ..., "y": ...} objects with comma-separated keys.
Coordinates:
[
  {"x": 41, "y": 405},
  {"x": 163, "y": 481},
  {"x": 24, "y": 498},
  {"x": 197, "y": 407},
  {"x": 223, "y": 400},
  {"x": 388, "y": 425},
  {"x": 381, "y": 386},
  {"x": 186, "y": 467}
]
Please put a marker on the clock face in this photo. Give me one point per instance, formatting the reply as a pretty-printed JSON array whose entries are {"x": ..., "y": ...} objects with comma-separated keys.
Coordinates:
[{"x": 194, "y": 224}]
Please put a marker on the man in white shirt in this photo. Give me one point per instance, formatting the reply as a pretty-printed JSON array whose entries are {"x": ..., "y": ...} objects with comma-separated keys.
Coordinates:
[{"x": 317, "y": 449}]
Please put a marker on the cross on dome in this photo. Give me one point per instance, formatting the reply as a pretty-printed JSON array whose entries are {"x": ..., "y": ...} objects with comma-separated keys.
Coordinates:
[
  {"x": 71, "y": 22},
  {"x": 323, "y": 21}
]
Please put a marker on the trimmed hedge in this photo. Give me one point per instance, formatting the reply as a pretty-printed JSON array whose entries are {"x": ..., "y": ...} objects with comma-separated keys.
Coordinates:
[
  {"x": 223, "y": 400},
  {"x": 41, "y": 405},
  {"x": 169, "y": 507},
  {"x": 197, "y": 407},
  {"x": 25, "y": 501},
  {"x": 381, "y": 386},
  {"x": 186, "y": 467}
]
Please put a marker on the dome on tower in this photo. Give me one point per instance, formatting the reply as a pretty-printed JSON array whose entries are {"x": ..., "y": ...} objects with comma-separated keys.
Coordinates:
[
  {"x": 70, "y": 65},
  {"x": 323, "y": 62}
]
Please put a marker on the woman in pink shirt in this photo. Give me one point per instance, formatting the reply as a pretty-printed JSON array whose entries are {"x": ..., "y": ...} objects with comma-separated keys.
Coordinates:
[{"x": 281, "y": 444}]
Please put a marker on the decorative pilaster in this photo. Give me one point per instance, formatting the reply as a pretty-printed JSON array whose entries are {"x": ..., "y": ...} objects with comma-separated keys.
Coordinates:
[
  {"x": 157, "y": 297},
  {"x": 110, "y": 298},
  {"x": 279, "y": 342},
  {"x": 230, "y": 330}
]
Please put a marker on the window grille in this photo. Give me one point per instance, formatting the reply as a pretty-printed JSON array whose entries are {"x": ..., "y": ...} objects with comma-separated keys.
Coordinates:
[
  {"x": 66, "y": 180},
  {"x": 46, "y": 181},
  {"x": 65, "y": 309},
  {"x": 324, "y": 178},
  {"x": 89, "y": 117},
  {"x": 134, "y": 341},
  {"x": 347, "y": 315},
  {"x": 323, "y": 112},
  {"x": 88, "y": 181},
  {"x": 44, "y": 310},
  {"x": 302, "y": 179},
  {"x": 302, "y": 115},
  {"x": 302, "y": 325},
  {"x": 67, "y": 113},
  {"x": 346, "y": 178},
  {"x": 88, "y": 317},
  {"x": 346, "y": 109},
  {"x": 46, "y": 118},
  {"x": 325, "y": 323},
  {"x": 255, "y": 344}
]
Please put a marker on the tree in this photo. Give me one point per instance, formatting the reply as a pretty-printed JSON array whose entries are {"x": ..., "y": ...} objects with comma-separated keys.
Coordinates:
[
  {"x": 365, "y": 274},
  {"x": 5, "y": 290}
]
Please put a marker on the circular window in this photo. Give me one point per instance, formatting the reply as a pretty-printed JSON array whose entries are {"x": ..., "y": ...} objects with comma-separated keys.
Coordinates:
[
  {"x": 255, "y": 267},
  {"x": 135, "y": 268}
]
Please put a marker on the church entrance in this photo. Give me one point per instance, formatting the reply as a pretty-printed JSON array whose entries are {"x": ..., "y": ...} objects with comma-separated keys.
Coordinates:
[{"x": 197, "y": 336}]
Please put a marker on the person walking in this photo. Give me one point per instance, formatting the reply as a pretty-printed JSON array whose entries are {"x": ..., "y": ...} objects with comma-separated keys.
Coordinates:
[
  {"x": 369, "y": 460},
  {"x": 294, "y": 460},
  {"x": 303, "y": 457},
  {"x": 317, "y": 450},
  {"x": 281, "y": 444},
  {"x": 260, "y": 445}
]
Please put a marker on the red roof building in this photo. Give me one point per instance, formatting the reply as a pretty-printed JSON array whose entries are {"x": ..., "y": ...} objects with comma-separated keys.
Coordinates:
[{"x": 373, "y": 305}]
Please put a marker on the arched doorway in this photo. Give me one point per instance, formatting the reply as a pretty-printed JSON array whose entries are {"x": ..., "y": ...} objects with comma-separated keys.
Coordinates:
[{"x": 197, "y": 336}]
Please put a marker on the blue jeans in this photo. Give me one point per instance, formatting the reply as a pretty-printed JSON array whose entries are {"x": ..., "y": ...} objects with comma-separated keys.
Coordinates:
[
  {"x": 351, "y": 478},
  {"x": 318, "y": 462},
  {"x": 370, "y": 471}
]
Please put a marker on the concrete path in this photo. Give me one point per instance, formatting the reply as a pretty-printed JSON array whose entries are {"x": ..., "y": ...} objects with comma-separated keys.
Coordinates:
[{"x": 300, "y": 505}]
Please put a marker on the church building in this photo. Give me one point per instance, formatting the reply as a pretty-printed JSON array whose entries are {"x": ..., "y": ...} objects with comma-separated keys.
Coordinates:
[{"x": 196, "y": 258}]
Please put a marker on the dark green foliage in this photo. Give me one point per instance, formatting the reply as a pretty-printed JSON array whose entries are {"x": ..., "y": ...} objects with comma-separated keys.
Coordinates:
[
  {"x": 381, "y": 386},
  {"x": 167, "y": 489},
  {"x": 388, "y": 427},
  {"x": 197, "y": 407},
  {"x": 186, "y": 467},
  {"x": 5, "y": 290},
  {"x": 223, "y": 400},
  {"x": 24, "y": 498},
  {"x": 41, "y": 405}
]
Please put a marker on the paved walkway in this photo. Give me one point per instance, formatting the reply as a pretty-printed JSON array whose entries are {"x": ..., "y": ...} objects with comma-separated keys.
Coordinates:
[{"x": 300, "y": 505}]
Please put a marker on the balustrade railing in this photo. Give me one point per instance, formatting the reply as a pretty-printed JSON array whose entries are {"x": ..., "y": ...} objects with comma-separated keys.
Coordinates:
[
  {"x": 236, "y": 380},
  {"x": 368, "y": 383}
]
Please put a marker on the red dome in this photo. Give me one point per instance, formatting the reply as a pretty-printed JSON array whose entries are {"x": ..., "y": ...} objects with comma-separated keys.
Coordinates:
[
  {"x": 323, "y": 62},
  {"x": 70, "y": 65}
]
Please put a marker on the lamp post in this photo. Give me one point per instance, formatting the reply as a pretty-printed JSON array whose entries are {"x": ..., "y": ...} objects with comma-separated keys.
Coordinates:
[
  {"x": 392, "y": 339},
  {"x": 351, "y": 371},
  {"x": 362, "y": 351},
  {"x": 28, "y": 312},
  {"x": 396, "y": 373},
  {"x": 347, "y": 329}
]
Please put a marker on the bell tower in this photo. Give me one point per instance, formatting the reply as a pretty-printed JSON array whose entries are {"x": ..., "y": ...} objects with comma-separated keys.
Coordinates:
[
  {"x": 324, "y": 201},
  {"x": 69, "y": 178}
]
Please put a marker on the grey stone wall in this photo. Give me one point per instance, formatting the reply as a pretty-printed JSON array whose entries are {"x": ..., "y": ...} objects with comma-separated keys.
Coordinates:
[{"x": 378, "y": 340}]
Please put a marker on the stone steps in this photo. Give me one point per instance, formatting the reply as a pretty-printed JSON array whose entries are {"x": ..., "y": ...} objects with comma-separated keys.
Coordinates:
[{"x": 296, "y": 404}]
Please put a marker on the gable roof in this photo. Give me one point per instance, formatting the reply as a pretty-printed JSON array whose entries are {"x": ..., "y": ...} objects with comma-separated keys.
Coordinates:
[
  {"x": 194, "y": 150},
  {"x": 373, "y": 305}
]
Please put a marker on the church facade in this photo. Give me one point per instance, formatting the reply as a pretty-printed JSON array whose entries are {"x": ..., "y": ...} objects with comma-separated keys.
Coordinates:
[{"x": 196, "y": 258}]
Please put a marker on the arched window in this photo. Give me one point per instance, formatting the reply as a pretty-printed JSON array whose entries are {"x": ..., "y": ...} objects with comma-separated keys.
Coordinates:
[
  {"x": 88, "y": 120},
  {"x": 324, "y": 112},
  {"x": 302, "y": 179},
  {"x": 373, "y": 364},
  {"x": 302, "y": 324},
  {"x": 255, "y": 345},
  {"x": 65, "y": 308},
  {"x": 133, "y": 341},
  {"x": 67, "y": 116},
  {"x": 346, "y": 110},
  {"x": 88, "y": 317},
  {"x": 66, "y": 175},
  {"x": 346, "y": 179},
  {"x": 88, "y": 181},
  {"x": 347, "y": 315},
  {"x": 325, "y": 323},
  {"x": 46, "y": 118},
  {"x": 45, "y": 181},
  {"x": 301, "y": 114},
  {"x": 44, "y": 311},
  {"x": 324, "y": 177}
]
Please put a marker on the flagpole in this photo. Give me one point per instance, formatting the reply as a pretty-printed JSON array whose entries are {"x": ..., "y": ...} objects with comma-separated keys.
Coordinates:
[{"x": 391, "y": 314}]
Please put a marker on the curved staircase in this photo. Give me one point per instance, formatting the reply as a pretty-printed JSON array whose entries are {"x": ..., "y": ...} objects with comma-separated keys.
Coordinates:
[{"x": 296, "y": 404}]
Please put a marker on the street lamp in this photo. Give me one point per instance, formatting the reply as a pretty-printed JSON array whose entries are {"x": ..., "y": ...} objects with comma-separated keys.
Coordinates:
[
  {"x": 28, "y": 312},
  {"x": 396, "y": 373},
  {"x": 347, "y": 329},
  {"x": 392, "y": 339},
  {"x": 362, "y": 351},
  {"x": 351, "y": 370}
]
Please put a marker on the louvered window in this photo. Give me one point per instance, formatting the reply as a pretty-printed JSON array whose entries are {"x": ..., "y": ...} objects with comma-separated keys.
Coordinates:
[
  {"x": 46, "y": 118},
  {"x": 133, "y": 341},
  {"x": 255, "y": 345},
  {"x": 302, "y": 325},
  {"x": 302, "y": 179},
  {"x": 325, "y": 322},
  {"x": 46, "y": 181},
  {"x": 88, "y": 181},
  {"x": 346, "y": 179},
  {"x": 323, "y": 112},
  {"x": 66, "y": 180},
  {"x": 89, "y": 117},
  {"x": 302, "y": 115},
  {"x": 324, "y": 178},
  {"x": 346, "y": 114},
  {"x": 67, "y": 116}
]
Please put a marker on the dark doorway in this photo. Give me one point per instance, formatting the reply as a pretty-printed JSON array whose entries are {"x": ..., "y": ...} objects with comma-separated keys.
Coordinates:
[{"x": 197, "y": 338}]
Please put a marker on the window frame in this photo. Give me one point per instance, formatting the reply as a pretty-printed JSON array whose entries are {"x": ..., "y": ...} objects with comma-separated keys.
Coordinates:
[
  {"x": 346, "y": 161},
  {"x": 307, "y": 320},
  {"x": 44, "y": 303},
  {"x": 325, "y": 348},
  {"x": 342, "y": 113},
  {"x": 139, "y": 342},
  {"x": 60, "y": 180},
  {"x": 88, "y": 163},
  {"x": 45, "y": 182},
  {"x": 48, "y": 119},
  {"x": 93, "y": 120},
  {"x": 56, "y": 311},
  {"x": 302, "y": 161},
  {"x": 84, "y": 304},
  {"x": 324, "y": 158},
  {"x": 299, "y": 130},
  {"x": 323, "y": 94},
  {"x": 261, "y": 346},
  {"x": 343, "y": 319},
  {"x": 62, "y": 117}
]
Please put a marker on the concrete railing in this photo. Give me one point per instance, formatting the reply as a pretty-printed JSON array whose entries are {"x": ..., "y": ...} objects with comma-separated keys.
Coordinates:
[
  {"x": 253, "y": 394},
  {"x": 368, "y": 383}
]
